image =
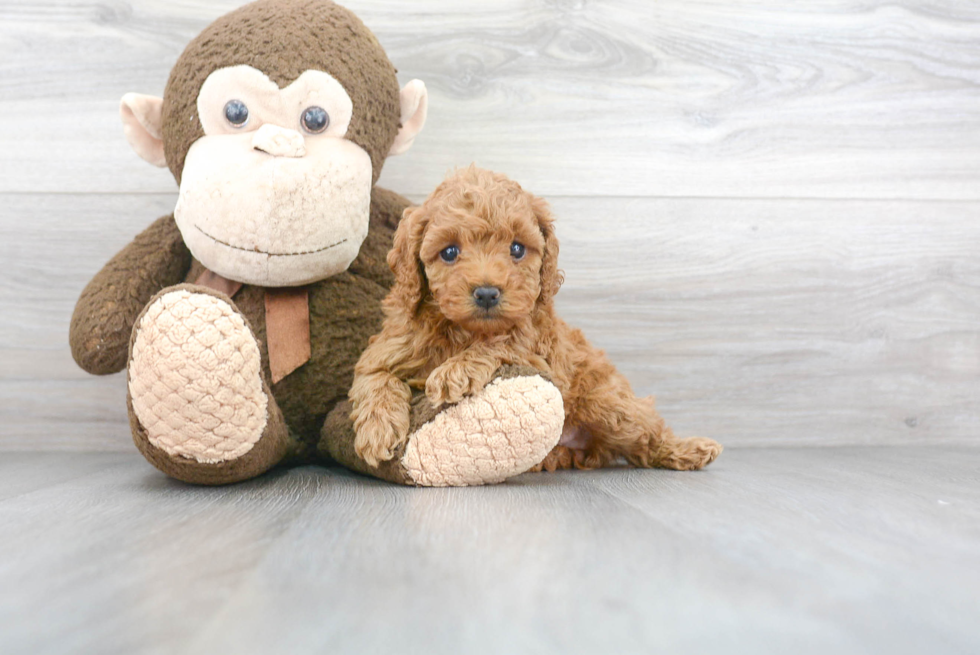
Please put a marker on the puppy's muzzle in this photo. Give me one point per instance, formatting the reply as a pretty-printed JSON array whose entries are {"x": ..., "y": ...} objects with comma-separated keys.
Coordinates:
[{"x": 486, "y": 297}]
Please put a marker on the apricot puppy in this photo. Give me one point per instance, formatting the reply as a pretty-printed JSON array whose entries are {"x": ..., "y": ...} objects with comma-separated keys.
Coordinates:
[{"x": 476, "y": 268}]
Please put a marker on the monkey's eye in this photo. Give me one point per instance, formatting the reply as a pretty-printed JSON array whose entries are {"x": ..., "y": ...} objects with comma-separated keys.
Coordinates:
[
  {"x": 236, "y": 112},
  {"x": 517, "y": 251},
  {"x": 449, "y": 254},
  {"x": 315, "y": 119}
]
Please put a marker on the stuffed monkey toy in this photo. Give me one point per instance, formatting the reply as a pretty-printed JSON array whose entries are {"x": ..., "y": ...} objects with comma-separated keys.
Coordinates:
[{"x": 240, "y": 316}]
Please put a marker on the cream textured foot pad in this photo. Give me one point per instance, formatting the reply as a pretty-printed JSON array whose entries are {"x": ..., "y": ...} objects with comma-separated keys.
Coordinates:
[
  {"x": 195, "y": 378},
  {"x": 504, "y": 430}
]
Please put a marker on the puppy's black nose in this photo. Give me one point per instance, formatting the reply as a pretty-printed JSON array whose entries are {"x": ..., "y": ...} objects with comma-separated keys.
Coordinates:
[{"x": 486, "y": 297}]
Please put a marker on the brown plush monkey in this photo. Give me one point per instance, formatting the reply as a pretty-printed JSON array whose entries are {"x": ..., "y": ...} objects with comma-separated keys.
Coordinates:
[{"x": 241, "y": 315}]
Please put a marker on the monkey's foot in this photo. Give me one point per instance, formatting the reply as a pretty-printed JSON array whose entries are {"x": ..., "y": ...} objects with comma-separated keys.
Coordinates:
[
  {"x": 504, "y": 430},
  {"x": 199, "y": 406},
  {"x": 500, "y": 432}
]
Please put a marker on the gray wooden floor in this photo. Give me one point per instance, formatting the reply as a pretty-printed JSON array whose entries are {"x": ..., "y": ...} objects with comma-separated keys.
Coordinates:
[{"x": 823, "y": 550}]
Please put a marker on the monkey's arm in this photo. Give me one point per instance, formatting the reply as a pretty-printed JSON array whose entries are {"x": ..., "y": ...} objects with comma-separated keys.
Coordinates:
[{"x": 108, "y": 307}]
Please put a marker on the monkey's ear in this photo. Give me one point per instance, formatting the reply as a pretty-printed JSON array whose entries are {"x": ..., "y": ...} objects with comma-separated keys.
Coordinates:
[
  {"x": 142, "y": 118},
  {"x": 415, "y": 104}
]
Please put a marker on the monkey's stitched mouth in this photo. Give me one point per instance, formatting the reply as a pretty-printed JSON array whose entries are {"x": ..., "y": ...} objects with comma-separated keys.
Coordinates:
[{"x": 270, "y": 254}]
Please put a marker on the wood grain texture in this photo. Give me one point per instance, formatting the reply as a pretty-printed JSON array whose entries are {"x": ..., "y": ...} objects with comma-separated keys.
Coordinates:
[
  {"x": 860, "y": 316},
  {"x": 848, "y": 98},
  {"x": 752, "y": 321},
  {"x": 835, "y": 550}
]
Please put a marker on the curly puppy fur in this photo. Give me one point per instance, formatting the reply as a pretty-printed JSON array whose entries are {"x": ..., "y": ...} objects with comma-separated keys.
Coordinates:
[{"x": 437, "y": 333}]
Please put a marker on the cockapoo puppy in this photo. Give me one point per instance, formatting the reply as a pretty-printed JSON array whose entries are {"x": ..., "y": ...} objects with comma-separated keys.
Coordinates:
[{"x": 476, "y": 268}]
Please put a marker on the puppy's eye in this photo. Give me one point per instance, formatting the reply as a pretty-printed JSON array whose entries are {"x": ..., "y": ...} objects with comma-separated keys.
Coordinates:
[
  {"x": 449, "y": 254},
  {"x": 517, "y": 251},
  {"x": 236, "y": 112}
]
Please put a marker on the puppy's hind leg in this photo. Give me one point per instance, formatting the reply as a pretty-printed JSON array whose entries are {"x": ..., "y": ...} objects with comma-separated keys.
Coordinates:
[
  {"x": 670, "y": 452},
  {"x": 624, "y": 425}
]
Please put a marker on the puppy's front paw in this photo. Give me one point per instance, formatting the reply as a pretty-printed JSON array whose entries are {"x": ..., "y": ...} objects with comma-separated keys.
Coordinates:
[
  {"x": 452, "y": 381},
  {"x": 377, "y": 437}
]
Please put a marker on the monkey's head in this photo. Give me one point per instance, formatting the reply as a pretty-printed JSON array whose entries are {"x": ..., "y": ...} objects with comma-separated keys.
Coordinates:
[{"x": 275, "y": 122}]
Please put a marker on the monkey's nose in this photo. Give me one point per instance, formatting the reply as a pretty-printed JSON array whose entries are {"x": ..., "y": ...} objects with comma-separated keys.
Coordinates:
[
  {"x": 279, "y": 141},
  {"x": 486, "y": 297}
]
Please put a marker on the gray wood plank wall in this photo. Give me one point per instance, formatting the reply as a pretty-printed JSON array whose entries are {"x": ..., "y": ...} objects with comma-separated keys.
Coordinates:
[{"x": 768, "y": 210}]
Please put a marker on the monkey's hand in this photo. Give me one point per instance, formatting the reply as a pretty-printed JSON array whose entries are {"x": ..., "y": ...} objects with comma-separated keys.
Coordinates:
[
  {"x": 460, "y": 376},
  {"x": 108, "y": 307},
  {"x": 381, "y": 416}
]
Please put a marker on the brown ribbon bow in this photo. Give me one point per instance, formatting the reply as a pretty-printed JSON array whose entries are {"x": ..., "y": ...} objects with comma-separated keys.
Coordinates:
[{"x": 287, "y": 322}]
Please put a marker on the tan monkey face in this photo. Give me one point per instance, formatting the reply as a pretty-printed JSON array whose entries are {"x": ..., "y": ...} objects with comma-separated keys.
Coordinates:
[{"x": 273, "y": 194}]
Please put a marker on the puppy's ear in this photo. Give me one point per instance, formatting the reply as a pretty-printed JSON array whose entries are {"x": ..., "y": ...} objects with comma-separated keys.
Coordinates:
[
  {"x": 551, "y": 277},
  {"x": 403, "y": 259}
]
